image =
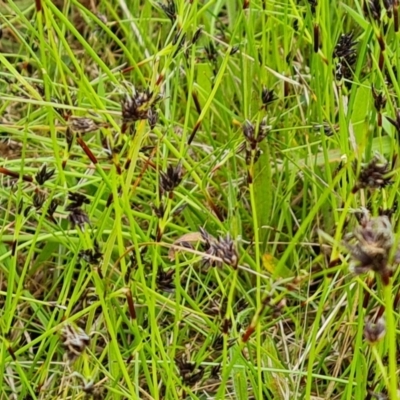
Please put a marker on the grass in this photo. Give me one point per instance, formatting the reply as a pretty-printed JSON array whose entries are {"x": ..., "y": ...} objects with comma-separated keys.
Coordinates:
[{"x": 197, "y": 243}]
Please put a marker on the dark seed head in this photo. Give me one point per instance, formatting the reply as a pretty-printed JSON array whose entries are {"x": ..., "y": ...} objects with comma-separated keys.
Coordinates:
[
  {"x": 169, "y": 9},
  {"x": 267, "y": 96},
  {"x": 152, "y": 117},
  {"x": 345, "y": 48},
  {"x": 389, "y": 5},
  {"x": 74, "y": 340},
  {"x": 38, "y": 199},
  {"x": 165, "y": 280},
  {"x": 372, "y": 9},
  {"x": 196, "y": 35},
  {"x": 248, "y": 131},
  {"x": 139, "y": 106},
  {"x": 222, "y": 248},
  {"x": 372, "y": 244},
  {"x": 44, "y": 175},
  {"x": 313, "y": 5},
  {"x": 379, "y": 100},
  {"x": 52, "y": 207},
  {"x": 83, "y": 125},
  {"x": 77, "y": 200},
  {"x": 92, "y": 256},
  {"x": 170, "y": 179},
  {"x": 78, "y": 217},
  {"x": 375, "y": 174},
  {"x": 374, "y": 332}
]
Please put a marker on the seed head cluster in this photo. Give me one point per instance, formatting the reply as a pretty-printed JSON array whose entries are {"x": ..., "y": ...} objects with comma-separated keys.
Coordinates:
[
  {"x": 171, "y": 178},
  {"x": 389, "y": 6},
  {"x": 77, "y": 216},
  {"x": 373, "y": 9},
  {"x": 346, "y": 54},
  {"x": 222, "y": 248},
  {"x": 379, "y": 100},
  {"x": 267, "y": 96},
  {"x": 253, "y": 140},
  {"x": 92, "y": 256},
  {"x": 83, "y": 125},
  {"x": 44, "y": 174},
  {"x": 374, "y": 332},
  {"x": 74, "y": 340},
  {"x": 139, "y": 106},
  {"x": 375, "y": 174},
  {"x": 169, "y": 9},
  {"x": 371, "y": 246}
]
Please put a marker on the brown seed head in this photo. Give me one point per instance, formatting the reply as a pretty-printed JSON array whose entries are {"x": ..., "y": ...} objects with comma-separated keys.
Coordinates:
[
  {"x": 74, "y": 340},
  {"x": 375, "y": 174},
  {"x": 171, "y": 178},
  {"x": 44, "y": 175},
  {"x": 372, "y": 245},
  {"x": 374, "y": 332}
]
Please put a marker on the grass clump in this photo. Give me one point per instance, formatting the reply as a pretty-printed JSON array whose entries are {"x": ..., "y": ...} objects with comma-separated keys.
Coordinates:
[{"x": 199, "y": 199}]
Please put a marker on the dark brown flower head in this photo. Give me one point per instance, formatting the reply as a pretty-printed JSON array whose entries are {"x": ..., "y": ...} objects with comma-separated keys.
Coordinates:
[
  {"x": 38, "y": 199},
  {"x": 374, "y": 332},
  {"x": 379, "y": 99},
  {"x": 139, "y": 106},
  {"x": 374, "y": 175},
  {"x": 135, "y": 108},
  {"x": 395, "y": 121},
  {"x": 347, "y": 56},
  {"x": 165, "y": 280},
  {"x": 169, "y": 9},
  {"x": 222, "y": 248},
  {"x": 92, "y": 256},
  {"x": 389, "y": 4},
  {"x": 179, "y": 39},
  {"x": 170, "y": 179},
  {"x": 189, "y": 373},
  {"x": 44, "y": 174},
  {"x": 83, "y": 125},
  {"x": 248, "y": 131},
  {"x": 372, "y": 244},
  {"x": 74, "y": 340},
  {"x": 152, "y": 117},
  {"x": 372, "y": 9},
  {"x": 77, "y": 200},
  {"x": 226, "y": 250},
  {"x": 159, "y": 211},
  {"x": 344, "y": 48},
  {"x": 253, "y": 140},
  {"x": 267, "y": 96},
  {"x": 196, "y": 35},
  {"x": 206, "y": 237},
  {"x": 52, "y": 207},
  {"x": 78, "y": 217},
  {"x": 313, "y": 5}
]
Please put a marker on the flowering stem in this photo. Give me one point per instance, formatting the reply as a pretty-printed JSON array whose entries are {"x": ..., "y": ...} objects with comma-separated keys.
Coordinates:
[{"x": 391, "y": 340}]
